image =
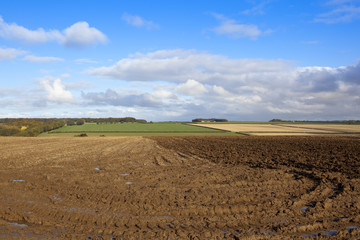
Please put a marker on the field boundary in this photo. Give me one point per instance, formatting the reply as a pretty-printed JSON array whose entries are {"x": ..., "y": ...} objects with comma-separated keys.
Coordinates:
[
  {"x": 224, "y": 130},
  {"x": 317, "y": 133},
  {"x": 220, "y": 131}
]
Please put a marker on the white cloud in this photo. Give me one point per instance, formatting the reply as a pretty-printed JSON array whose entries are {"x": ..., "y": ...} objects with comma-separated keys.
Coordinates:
[
  {"x": 56, "y": 90},
  {"x": 236, "y": 30},
  {"x": 137, "y": 21},
  {"x": 4, "y": 92},
  {"x": 37, "y": 59},
  {"x": 180, "y": 65},
  {"x": 240, "y": 89},
  {"x": 191, "y": 88},
  {"x": 221, "y": 91},
  {"x": 79, "y": 34},
  {"x": 65, "y": 75},
  {"x": 337, "y": 2},
  {"x": 122, "y": 98},
  {"x": 342, "y": 11},
  {"x": 85, "y": 60},
  {"x": 164, "y": 94},
  {"x": 16, "y": 115},
  {"x": 258, "y": 9},
  {"x": 10, "y": 53},
  {"x": 16, "y": 32},
  {"x": 184, "y": 84}
]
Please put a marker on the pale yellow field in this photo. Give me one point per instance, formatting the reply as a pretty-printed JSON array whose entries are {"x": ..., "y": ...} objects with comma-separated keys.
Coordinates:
[
  {"x": 244, "y": 127},
  {"x": 282, "y": 134},
  {"x": 332, "y": 127},
  {"x": 285, "y": 129}
]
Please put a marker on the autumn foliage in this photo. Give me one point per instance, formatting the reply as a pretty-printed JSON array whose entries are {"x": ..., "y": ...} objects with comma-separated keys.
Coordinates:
[{"x": 28, "y": 127}]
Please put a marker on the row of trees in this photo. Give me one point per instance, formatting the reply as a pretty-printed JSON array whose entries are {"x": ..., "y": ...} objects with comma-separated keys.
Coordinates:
[
  {"x": 71, "y": 122},
  {"x": 6, "y": 130},
  {"x": 306, "y": 121},
  {"x": 209, "y": 120},
  {"x": 119, "y": 120},
  {"x": 35, "y": 126},
  {"x": 28, "y": 127},
  {"x": 76, "y": 121}
]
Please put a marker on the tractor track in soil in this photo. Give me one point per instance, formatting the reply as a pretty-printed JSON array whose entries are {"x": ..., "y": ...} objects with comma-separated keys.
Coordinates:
[{"x": 180, "y": 188}]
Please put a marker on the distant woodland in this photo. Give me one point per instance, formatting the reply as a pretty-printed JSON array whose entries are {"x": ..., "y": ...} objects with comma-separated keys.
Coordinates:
[
  {"x": 28, "y": 127},
  {"x": 306, "y": 121},
  {"x": 209, "y": 120},
  {"x": 31, "y": 127}
]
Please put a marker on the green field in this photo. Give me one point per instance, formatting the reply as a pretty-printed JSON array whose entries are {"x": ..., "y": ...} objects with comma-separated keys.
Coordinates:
[{"x": 136, "y": 129}]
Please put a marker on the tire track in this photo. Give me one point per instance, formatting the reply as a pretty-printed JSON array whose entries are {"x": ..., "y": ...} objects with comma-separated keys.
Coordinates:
[{"x": 177, "y": 188}]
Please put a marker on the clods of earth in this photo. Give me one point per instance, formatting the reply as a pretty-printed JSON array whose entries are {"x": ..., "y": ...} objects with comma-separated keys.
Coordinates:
[{"x": 180, "y": 188}]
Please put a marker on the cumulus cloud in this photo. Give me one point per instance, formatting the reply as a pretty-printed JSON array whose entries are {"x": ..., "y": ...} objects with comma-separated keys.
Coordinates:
[
  {"x": 192, "y": 88},
  {"x": 56, "y": 90},
  {"x": 220, "y": 91},
  {"x": 180, "y": 65},
  {"x": 37, "y": 59},
  {"x": 341, "y": 11},
  {"x": 115, "y": 98},
  {"x": 16, "y": 32},
  {"x": 164, "y": 94},
  {"x": 137, "y": 21},
  {"x": 239, "y": 89},
  {"x": 323, "y": 92},
  {"x": 233, "y": 29},
  {"x": 79, "y": 34},
  {"x": 10, "y": 53}
]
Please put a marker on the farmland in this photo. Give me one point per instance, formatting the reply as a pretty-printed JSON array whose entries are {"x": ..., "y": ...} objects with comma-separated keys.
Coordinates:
[
  {"x": 137, "y": 129},
  {"x": 180, "y": 187},
  {"x": 203, "y": 129},
  {"x": 265, "y": 129}
]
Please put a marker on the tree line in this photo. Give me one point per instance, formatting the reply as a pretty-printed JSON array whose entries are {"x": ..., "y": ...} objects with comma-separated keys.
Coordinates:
[
  {"x": 209, "y": 120},
  {"x": 34, "y": 126},
  {"x": 108, "y": 120},
  {"x": 307, "y": 121},
  {"x": 28, "y": 127}
]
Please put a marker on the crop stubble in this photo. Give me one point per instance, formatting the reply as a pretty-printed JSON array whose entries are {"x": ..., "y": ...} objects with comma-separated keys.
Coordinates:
[
  {"x": 179, "y": 187},
  {"x": 283, "y": 129}
]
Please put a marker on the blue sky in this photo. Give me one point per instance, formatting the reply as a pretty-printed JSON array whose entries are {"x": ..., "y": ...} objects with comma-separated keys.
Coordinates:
[{"x": 179, "y": 60}]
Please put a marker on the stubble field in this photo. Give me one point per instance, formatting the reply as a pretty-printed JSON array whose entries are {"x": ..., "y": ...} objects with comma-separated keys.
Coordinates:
[
  {"x": 180, "y": 188},
  {"x": 282, "y": 129}
]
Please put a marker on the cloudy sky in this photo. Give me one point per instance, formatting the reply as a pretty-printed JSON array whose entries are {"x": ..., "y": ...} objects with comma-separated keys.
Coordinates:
[{"x": 165, "y": 60}]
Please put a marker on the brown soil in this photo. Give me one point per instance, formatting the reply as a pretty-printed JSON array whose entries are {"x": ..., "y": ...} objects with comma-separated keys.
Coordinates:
[{"x": 180, "y": 188}]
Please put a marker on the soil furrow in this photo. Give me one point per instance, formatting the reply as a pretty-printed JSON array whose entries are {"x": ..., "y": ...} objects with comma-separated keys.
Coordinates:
[{"x": 180, "y": 188}]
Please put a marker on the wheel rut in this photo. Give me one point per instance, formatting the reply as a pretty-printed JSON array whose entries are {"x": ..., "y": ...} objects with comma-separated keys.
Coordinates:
[{"x": 179, "y": 188}]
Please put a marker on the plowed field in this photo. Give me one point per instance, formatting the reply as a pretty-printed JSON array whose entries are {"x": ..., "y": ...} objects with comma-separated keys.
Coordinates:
[{"x": 180, "y": 188}]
